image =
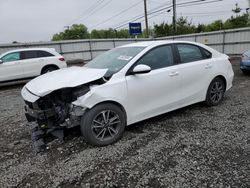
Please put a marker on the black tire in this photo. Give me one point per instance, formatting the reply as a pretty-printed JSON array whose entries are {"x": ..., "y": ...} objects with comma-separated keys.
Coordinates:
[
  {"x": 100, "y": 132},
  {"x": 215, "y": 92},
  {"x": 49, "y": 69},
  {"x": 246, "y": 72}
]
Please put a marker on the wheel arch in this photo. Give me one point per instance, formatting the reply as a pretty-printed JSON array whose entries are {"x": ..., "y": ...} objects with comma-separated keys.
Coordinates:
[
  {"x": 223, "y": 78},
  {"x": 218, "y": 76},
  {"x": 47, "y": 66},
  {"x": 207, "y": 99}
]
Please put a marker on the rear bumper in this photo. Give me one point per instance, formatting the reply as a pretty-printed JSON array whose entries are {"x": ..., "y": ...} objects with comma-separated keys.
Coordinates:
[
  {"x": 245, "y": 65},
  {"x": 230, "y": 78},
  {"x": 62, "y": 65}
]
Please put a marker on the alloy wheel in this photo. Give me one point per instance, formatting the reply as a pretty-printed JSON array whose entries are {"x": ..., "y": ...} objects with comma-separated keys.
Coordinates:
[
  {"x": 106, "y": 125},
  {"x": 216, "y": 92}
]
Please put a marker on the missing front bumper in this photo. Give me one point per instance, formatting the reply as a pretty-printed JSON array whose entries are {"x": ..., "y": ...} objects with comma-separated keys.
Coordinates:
[{"x": 36, "y": 115}]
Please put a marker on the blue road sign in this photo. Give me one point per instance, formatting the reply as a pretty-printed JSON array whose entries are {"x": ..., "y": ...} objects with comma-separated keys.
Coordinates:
[{"x": 135, "y": 29}]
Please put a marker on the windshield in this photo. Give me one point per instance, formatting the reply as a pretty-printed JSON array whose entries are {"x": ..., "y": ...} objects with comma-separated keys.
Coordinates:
[{"x": 114, "y": 60}]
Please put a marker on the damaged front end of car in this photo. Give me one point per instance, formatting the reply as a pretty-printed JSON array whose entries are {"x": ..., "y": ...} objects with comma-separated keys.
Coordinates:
[{"x": 52, "y": 112}]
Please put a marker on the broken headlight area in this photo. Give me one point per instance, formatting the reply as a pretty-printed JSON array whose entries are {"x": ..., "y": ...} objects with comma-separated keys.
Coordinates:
[{"x": 53, "y": 114}]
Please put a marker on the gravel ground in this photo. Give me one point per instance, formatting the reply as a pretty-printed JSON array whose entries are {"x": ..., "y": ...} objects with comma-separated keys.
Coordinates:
[{"x": 196, "y": 146}]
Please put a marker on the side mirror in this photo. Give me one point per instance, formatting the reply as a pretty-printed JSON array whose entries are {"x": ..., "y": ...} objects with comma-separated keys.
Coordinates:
[
  {"x": 141, "y": 69},
  {"x": 1, "y": 61}
]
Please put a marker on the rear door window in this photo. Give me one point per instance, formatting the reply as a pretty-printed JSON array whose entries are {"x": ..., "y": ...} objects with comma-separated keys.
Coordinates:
[
  {"x": 189, "y": 53},
  {"x": 15, "y": 56},
  {"x": 206, "y": 53},
  {"x": 29, "y": 54},
  {"x": 44, "y": 54}
]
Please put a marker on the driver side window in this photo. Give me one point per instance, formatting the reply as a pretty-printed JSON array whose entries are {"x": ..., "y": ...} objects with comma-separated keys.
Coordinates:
[
  {"x": 15, "y": 56},
  {"x": 157, "y": 58}
]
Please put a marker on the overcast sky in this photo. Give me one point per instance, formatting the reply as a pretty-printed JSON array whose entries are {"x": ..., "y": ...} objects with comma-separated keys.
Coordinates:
[{"x": 38, "y": 20}]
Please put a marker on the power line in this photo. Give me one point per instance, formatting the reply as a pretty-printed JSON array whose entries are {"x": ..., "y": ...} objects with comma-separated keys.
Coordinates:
[
  {"x": 201, "y": 13},
  {"x": 127, "y": 10},
  {"x": 191, "y": 3},
  {"x": 160, "y": 6},
  {"x": 153, "y": 16},
  {"x": 152, "y": 11},
  {"x": 134, "y": 18},
  {"x": 94, "y": 11},
  {"x": 207, "y": 14},
  {"x": 200, "y": 2},
  {"x": 116, "y": 15},
  {"x": 87, "y": 11}
]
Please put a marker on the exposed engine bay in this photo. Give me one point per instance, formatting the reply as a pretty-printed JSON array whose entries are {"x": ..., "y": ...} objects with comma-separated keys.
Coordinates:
[{"x": 54, "y": 113}]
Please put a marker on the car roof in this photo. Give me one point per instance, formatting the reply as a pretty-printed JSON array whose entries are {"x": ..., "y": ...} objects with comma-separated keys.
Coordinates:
[
  {"x": 51, "y": 50},
  {"x": 156, "y": 43},
  {"x": 152, "y": 44},
  {"x": 30, "y": 49}
]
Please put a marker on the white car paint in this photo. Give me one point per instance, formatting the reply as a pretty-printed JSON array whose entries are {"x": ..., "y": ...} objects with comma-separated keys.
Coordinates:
[
  {"x": 26, "y": 68},
  {"x": 145, "y": 95},
  {"x": 63, "y": 78},
  {"x": 10, "y": 71}
]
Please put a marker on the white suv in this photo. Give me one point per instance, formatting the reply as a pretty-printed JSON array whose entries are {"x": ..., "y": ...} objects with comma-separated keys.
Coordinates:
[{"x": 27, "y": 63}]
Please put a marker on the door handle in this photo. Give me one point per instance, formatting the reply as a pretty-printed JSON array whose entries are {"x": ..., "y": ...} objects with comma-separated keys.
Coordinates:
[
  {"x": 208, "y": 66},
  {"x": 174, "y": 74}
]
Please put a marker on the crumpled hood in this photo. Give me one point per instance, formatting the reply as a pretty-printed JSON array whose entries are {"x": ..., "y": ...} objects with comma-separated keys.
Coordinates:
[{"x": 63, "y": 78}]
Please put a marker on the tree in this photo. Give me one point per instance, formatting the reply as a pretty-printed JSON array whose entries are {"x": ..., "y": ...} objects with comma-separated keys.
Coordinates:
[
  {"x": 182, "y": 24},
  {"x": 200, "y": 28},
  {"x": 79, "y": 31},
  {"x": 237, "y": 22},
  {"x": 122, "y": 33},
  {"x": 109, "y": 33},
  {"x": 186, "y": 27},
  {"x": 162, "y": 30},
  {"x": 214, "y": 26},
  {"x": 76, "y": 31}
]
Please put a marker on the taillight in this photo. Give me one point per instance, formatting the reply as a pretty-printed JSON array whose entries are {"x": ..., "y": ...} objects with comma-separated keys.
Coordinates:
[{"x": 61, "y": 59}]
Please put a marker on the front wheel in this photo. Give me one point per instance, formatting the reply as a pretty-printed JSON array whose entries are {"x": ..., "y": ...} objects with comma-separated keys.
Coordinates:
[
  {"x": 104, "y": 124},
  {"x": 215, "y": 92}
]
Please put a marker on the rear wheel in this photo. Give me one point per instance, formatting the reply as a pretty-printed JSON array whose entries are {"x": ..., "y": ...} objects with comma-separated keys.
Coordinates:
[
  {"x": 49, "y": 69},
  {"x": 103, "y": 124},
  {"x": 215, "y": 92}
]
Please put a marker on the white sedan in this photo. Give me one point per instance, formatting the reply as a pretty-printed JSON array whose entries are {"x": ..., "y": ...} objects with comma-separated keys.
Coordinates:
[
  {"x": 126, "y": 85},
  {"x": 28, "y": 63}
]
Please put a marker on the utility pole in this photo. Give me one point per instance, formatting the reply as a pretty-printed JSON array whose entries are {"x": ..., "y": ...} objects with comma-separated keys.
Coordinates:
[
  {"x": 146, "y": 18},
  {"x": 67, "y": 26},
  {"x": 174, "y": 16}
]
